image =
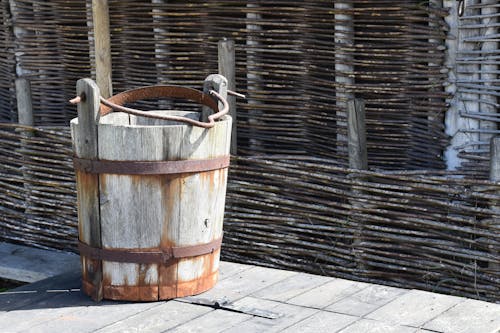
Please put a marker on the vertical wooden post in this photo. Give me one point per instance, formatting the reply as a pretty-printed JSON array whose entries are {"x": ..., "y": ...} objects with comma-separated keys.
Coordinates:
[
  {"x": 434, "y": 26},
  {"x": 254, "y": 78},
  {"x": 24, "y": 102},
  {"x": 495, "y": 177},
  {"x": 344, "y": 70},
  {"x": 19, "y": 35},
  {"x": 162, "y": 49},
  {"x": 356, "y": 136},
  {"x": 102, "y": 42},
  {"x": 217, "y": 83},
  {"x": 452, "y": 117},
  {"x": 495, "y": 159},
  {"x": 464, "y": 100},
  {"x": 25, "y": 117},
  {"x": 86, "y": 146},
  {"x": 489, "y": 69},
  {"x": 227, "y": 68}
]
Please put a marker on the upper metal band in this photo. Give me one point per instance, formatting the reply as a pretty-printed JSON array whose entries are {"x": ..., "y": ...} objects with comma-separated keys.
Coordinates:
[{"x": 150, "y": 167}]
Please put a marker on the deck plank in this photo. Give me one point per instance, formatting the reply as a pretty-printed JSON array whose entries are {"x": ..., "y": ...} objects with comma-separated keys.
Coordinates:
[
  {"x": 38, "y": 291},
  {"x": 367, "y": 300},
  {"x": 288, "y": 315},
  {"x": 158, "y": 319},
  {"x": 28, "y": 264},
  {"x": 213, "y": 321},
  {"x": 328, "y": 293},
  {"x": 87, "y": 318},
  {"x": 322, "y": 322},
  {"x": 240, "y": 285},
  {"x": 25, "y": 319},
  {"x": 373, "y": 326},
  {"x": 228, "y": 269},
  {"x": 414, "y": 308},
  {"x": 291, "y": 287},
  {"x": 470, "y": 316}
]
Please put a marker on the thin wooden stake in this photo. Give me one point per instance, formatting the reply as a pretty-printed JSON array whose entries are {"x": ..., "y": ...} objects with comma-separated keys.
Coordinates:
[
  {"x": 358, "y": 158},
  {"x": 495, "y": 177},
  {"x": 24, "y": 102},
  {"x": 25, "y": 117},
  {"x": 86, "y": 146},
  {"x": 227, "y": 65},
  {"x": 254, "y": 79},
  {"x": 356, "y": 137},
  {"x": 452, "y": 118},
  {"x": 489, "y": 70},
  {"x": 344, "y": 77},
  {"x": 102, "y": 42}
]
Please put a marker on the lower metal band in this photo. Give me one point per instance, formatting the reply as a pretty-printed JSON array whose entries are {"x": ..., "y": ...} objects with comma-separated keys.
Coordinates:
[{"x": 148, "y": 257}]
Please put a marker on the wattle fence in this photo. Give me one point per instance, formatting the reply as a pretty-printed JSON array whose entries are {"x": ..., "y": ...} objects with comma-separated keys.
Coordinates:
[{"x": 433, "y": 230}]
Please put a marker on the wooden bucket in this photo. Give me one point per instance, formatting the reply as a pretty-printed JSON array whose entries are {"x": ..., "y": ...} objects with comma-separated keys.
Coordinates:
[{"x": 151, "y": 196}]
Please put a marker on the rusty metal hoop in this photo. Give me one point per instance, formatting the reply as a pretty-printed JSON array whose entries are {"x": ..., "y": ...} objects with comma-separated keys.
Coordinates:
[{"x": 116, "y": 103}]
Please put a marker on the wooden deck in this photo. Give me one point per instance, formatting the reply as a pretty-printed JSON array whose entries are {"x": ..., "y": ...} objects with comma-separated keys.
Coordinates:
[
  {"x": 28, "y": 264},
  {"x": 249, "y": 299}
]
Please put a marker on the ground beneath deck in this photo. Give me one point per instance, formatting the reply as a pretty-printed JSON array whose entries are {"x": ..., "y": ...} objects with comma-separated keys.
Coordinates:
[{"x": 249, "y": 299}]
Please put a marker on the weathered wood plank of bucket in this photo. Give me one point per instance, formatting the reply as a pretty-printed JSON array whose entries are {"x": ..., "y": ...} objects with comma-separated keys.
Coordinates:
[
  {"x": 200, "y": 219},
  {"x": 152, "y": 212},
  {"x": 87, "y": 185}
]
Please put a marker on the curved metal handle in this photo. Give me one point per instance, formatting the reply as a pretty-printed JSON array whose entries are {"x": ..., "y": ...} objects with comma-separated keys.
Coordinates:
[
  {"x": 166, "y": 91},
  {"x": 211, "y": 119},
  {"x": 116, "y": 102}
]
